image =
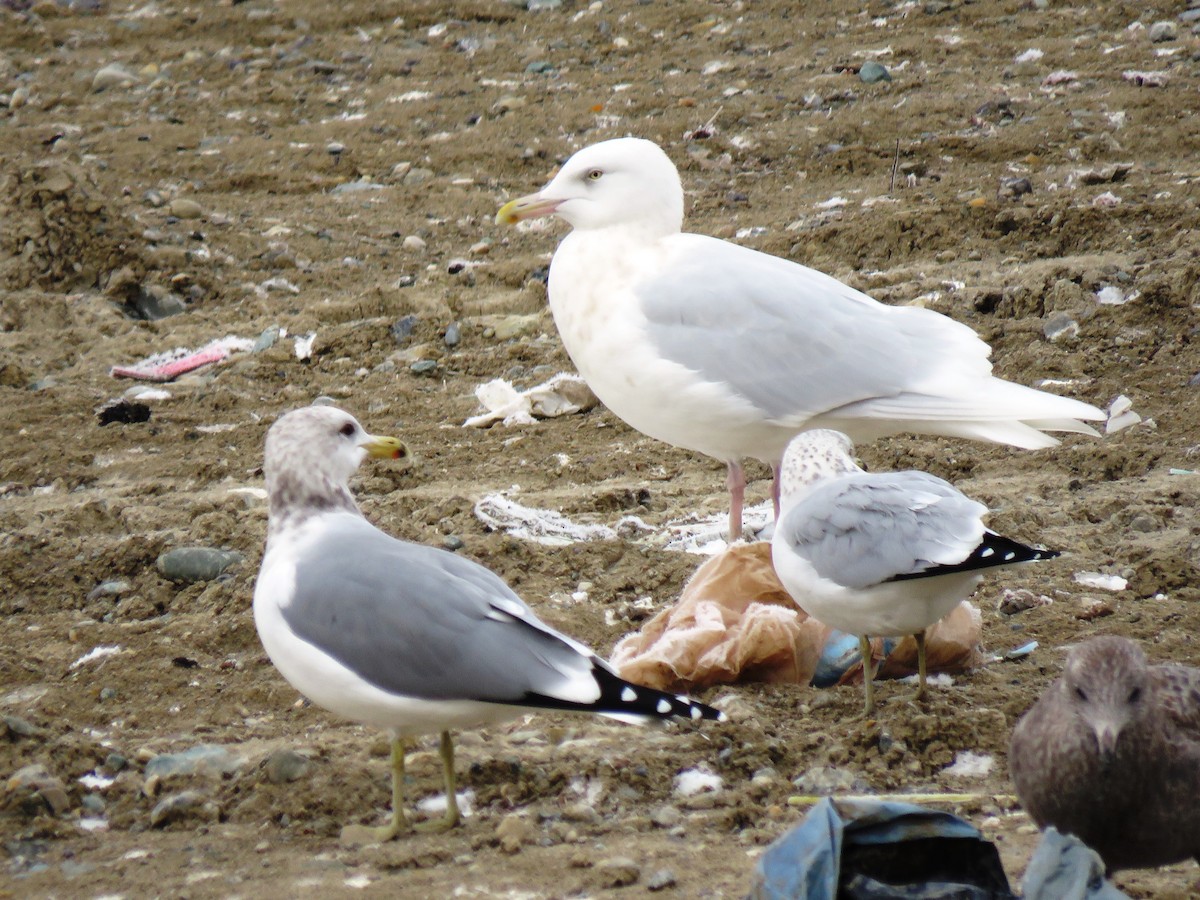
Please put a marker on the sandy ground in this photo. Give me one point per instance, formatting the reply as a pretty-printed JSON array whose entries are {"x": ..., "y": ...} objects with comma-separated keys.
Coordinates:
[{"x": 1001, "y": 189}]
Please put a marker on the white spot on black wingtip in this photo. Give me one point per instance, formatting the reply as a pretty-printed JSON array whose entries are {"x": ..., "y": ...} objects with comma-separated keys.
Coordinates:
[
  {"x": 987, "y": 551},
  {"x": 721, "y": 717},
  {"x": 1009, "y": 555},
  {"x": 663, "y": 707},
  {"x": 628, "y": 695},
  {"x": 697, "y": 712}
]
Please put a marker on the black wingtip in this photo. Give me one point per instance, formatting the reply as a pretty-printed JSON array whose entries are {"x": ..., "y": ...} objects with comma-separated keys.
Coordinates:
[
  {"x": 624, "y": 698},
  {"x": 994, "y": 550}
]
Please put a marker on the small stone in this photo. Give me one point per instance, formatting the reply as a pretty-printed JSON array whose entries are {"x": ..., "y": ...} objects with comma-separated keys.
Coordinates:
[
  {"x": 619, "y": 871},
  {"x": 1161, "y": 32},
  {"x": 507, "y": 327},
  {"x": 512, "y": 832},
  {"x": 154, "y": 198},
  {"x": 666, "y": 816},
  {"x": 417, "y": 175},
  {"x": 539, "y": 67},
  {"x": 452, "y": 542},
  {"x": 357, "y": 187},
  {"x": 18, "y": 727},
  {"x": 187, "y": 565},
  {"x": 1093, "y": 608},
  {"x": 403, "y": 328},
  {"x": 92, "y": 803},
  {"x": 110, "y": 589},
  {"x": 113, "y": 75},
  {"x": 1060, "y": 326},
  {"x": 107, "y": 694},
  {"x": 872, "y": 72},
  {"x": 334, "y": 148},
  {"x": 414, "y": 242},
  {"x": 453, "y": 335},
  {"x": 185, "y": 208},
  {"x": 285, "y": 765},
  {"x": 153, "y": 302},
  {"x": 661, "y": 879},
  {"x": 38, "y": 791},
  {"x": 481, "y": 248},
  {"x": 115, "y": 762},
  {"x": 423, "y": 367},
  {"x": 184, "y": 805},
  {"x": 542, "y": 5},
  {"x": 203, "y": 759},
  {"x": 267, "y": 339}
]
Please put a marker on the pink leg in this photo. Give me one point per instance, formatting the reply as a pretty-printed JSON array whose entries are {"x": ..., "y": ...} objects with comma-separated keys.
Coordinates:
[
  {"x": 775, "y": 488},
  {"x": 736, "y": 480}
]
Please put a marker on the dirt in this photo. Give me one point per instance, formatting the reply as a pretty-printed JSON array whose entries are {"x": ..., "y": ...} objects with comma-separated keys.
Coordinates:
[{"x": 973, "y": 182}]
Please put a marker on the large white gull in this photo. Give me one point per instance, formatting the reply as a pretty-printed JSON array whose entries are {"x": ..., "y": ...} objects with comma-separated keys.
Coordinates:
[
  {"x": 720, "y": 349},
  {"x": 879, "y": 554},
  {"x": 405, "y": 637}
]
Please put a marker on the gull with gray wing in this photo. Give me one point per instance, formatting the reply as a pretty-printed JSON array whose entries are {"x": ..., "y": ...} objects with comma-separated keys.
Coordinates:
[
  {"x": 879, "y": 554},
  {"x": 405, "y": 637}
]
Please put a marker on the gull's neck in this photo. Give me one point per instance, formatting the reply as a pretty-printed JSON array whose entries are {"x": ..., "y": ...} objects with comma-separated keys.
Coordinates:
[{"x": 293, "y": 501}]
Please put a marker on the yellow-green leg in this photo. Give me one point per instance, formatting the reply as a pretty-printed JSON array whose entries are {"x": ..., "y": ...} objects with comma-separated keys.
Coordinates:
[
  {"x": 864, "y": 648},
  {"x": 453, "y": 816},
  {"x": 358, "y": 835},
  {"x": 919, "y": 637}
]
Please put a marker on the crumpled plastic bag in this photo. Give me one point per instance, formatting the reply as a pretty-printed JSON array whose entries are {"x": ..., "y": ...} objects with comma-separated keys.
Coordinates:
[
  {"x": 562, "y": 395},
  {"x": 735, "y": 622},
  {"x": 877, "y": 849},
  {"x": 1065, "y": 868}
]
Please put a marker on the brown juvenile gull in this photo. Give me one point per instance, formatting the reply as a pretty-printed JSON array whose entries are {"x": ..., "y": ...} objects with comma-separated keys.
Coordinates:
[
  {"x": 409, "y": 638},
  {"x": 1111, "y": 754},
  {"x": 720, "y": 349},
  {"x": 879, "y": 553}
]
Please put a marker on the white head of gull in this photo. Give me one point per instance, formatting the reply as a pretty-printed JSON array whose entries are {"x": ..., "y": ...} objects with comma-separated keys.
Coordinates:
[{"x": 720, "y": 349}]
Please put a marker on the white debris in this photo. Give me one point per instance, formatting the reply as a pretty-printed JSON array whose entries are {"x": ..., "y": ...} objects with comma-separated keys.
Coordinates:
[
  {"x": 1111, "y": 295},
  {"x": 1107, "y": 200},
  {"x": 437, "y": 803},
  {"x": 410, "y": 96},
  {"x": 1033, "y": 54},
  {"x": 1100, "y": 581},
  {"x": 706, "y": 537},
  {"x": 832, "y": 203},
  {"x": 95, "y": 782},
  {"x": 358, "y": 882},
  {"x": 968, "y": 764},
  {"x": 93, "y": 823},
  {"x": 1145, "y": 79},
  {"x": 94, "y": 654},
  {"x": 543, "y": 526},
  {"x": 562, "y": 395},
  {"x": 1120, "y": 415},
  {"x": 1060, "y": 76},
  {"x": 279, "y": 285},
  {"x": 304, "y": 344},
  {"x": 690, "y": 782}
]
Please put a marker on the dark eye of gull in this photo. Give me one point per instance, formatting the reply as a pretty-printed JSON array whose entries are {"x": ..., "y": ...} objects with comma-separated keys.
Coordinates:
[
  {"x": 1081, "y": 694},
  {"x": 347, "y": 429},
  {"x": 1135, "y": 695}
]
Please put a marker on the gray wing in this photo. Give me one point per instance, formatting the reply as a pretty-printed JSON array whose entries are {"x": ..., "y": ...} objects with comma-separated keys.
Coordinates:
[
  {"x": 425, "y": 623},
  {"x": 862, "y": 530},
  {"x": 815, "y": 344}
]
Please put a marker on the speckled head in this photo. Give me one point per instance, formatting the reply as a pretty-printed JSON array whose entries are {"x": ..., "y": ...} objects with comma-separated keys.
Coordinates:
[
  {"x": 1106, "y": 683},
  {"x": 310, "y": 455},
  {"x": 812, "y": 457}
]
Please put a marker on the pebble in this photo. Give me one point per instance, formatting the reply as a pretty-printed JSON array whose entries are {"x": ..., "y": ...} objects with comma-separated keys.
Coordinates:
[
  {"x": 538, "y": 67},
  {"x": 505, "y": 328},
  {"x": 203, "y": 759},
  {"x": 452, "y": 542},
  {"x": 660, "y": 880},
  {"x": 334, "y": 148},
  {"x": 115, "y": 762},
  {"x": 402, "y": 328},
  {"x": 284, "y": 765},
  {"x": 423, "y": 367},
  {"x": 1060, "y": 326},
  {"x": 513, "y": 832},
  {"x": 107, "y": 694},
  {"x": 619, "y": 871},
  {"x": 453, "y": 335},
  {"x": 267, "y": 339},
  {"x": 110, "y": 589},
  {"x": 872, "y": 72},
  {"x": 184, "y": 805},
  {"x": 355, "y": 187},
  {"x": 93, "y": 803},
  {"x": 15, "y": 725},
  {"x": 113, "y": 75},
  {"x": 185, "y": 208},
  {"x": 542, "y": 5},
  {"x": 153, "y": 302},
  {"x": 38, "y": 790},
  {"x": 666, "y": 816},
  {"x": 417, "y": 175},
  {"x": 187, "y": 565},
  {"x": 1161, "y": 32},
  {"x": 414, "y": 242}
]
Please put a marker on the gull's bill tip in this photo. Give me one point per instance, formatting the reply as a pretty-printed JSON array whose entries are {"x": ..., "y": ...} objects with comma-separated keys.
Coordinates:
[
  {"x": 385, "y": 447},
  {"x": 531, "y": 206}
]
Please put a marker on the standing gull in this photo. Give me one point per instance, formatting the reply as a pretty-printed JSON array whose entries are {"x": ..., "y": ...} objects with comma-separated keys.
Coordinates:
[
  {"x": 730, "y": 352},
  {"x": 1111, "y": 754},
  {"x": 405, "y": 637},
  {"x": 882, "y": 554}
]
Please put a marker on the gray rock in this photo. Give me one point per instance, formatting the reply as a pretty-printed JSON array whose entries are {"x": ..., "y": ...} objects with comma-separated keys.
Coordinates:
[
  {"x": 212, "y": 760},
  {"x": 423, "y": 367},
  {"x": 417, "y": 175},
  {"x": 402, "y": 329},
  {"x": 153, "y": 302},
  {"x": 824, "y": 780},
  {"x": 1189, "y": 16},
  {"x": 453, "y": 335},
  {"x": 357, "y": 187},
  {"x": 538, "y": 67},
  {"x": 107, "y": 694},
  {"x": 1060, "y": 326},
  {"x": 18, "y": 727},
  {"x": 542, "y": 5},
  {"x": 185, "y": 208},
  {"x": 92, "y": 803},
  {"x": 115, "y": 762},
  {"x": 113, "y": 75},
  {"x": 872, "y": 72},
  {"x": 110, "y": 589},
  {"x": 660, "y": 880},
  {"x": 37, "y": 791},
  {"x": 333, "y": 148},
  {"x": 187, "y": 565},
  {"x": 1161, "y": 32},
  {"x": 452, "y": 542},
  {"x": 619, "y": 871},
  {"x": 182, "y": 806},
  {"x": 267, "y": 339},
  {"x": 284, "y": 765},
  {"x": 666, "y": 816}
]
